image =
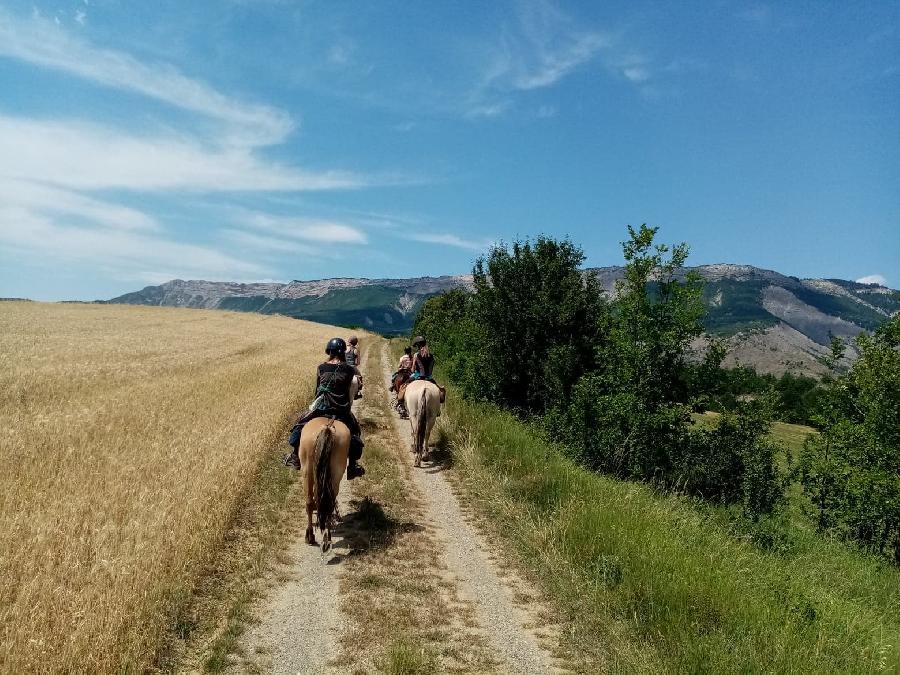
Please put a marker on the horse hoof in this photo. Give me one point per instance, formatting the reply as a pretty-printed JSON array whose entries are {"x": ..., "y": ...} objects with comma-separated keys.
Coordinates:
[
  {"x": 326, "y": 546},
  {"x": 311, "y": 539},
  {"x": 418, "y": 462}
]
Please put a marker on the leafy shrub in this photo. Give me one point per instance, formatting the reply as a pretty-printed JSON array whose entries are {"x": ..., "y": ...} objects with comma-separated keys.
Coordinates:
[
  {"x": 612, "y": 381},
  {"x": 734, "y": 462},
  {"x": 852, "y": 469},
  {"x": 540, "y": 316}
]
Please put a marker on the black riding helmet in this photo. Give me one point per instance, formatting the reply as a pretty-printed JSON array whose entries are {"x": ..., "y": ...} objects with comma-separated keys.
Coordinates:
[
  {"x": 418, "y": 341},
  {"x": 336, "y": 346}
]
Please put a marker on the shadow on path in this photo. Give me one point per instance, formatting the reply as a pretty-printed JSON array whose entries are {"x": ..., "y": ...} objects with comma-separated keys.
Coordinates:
[{"x": 368, "y": 528}]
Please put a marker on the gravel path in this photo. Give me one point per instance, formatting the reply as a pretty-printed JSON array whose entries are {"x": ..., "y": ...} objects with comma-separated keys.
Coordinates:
[
  {"x": 299, "y": 619},
  {"x": 505, "y": 624}
]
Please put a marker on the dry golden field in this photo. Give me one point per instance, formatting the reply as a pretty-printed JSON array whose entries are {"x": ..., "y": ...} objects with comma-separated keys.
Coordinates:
[{"x": 127, "y": 438}]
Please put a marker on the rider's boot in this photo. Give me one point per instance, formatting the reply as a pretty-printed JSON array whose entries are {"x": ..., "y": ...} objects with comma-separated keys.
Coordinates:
[
  {"x": 354, "y": 470},
  {"x": 292, "y": 459}
]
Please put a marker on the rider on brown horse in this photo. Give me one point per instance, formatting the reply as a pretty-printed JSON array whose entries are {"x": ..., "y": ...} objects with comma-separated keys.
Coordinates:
[{"x": 332, "y": 400}]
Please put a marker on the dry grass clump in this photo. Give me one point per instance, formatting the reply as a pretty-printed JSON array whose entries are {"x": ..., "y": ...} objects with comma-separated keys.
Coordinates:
[{"x": 128, "y": 438}]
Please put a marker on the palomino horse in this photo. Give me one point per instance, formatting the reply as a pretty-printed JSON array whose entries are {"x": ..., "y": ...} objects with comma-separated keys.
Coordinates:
[
  {"x": 324, "y": 445},
  {"x": 423, "y": 401}
]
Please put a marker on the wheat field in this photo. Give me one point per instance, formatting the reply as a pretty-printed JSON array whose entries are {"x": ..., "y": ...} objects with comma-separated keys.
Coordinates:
[{"x": 127, "y": 438}]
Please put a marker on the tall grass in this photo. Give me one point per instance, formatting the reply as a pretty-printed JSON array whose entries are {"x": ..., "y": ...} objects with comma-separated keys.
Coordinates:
[
  {"x": 647, "y": 582},
  {"x": 128, "y": 437}
]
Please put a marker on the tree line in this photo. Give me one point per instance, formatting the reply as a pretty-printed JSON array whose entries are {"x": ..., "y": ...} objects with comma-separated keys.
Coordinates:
[{"x": 611, "y": 379}]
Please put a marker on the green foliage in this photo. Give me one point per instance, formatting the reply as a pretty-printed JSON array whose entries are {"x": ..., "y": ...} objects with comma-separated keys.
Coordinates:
[
  {"x": 666, "y": 578},
  {"x": 541, "y": 316},
  {"x": 852, "y": 469},
  {"x": 457, "y": 339},
  {"x": 734, "y": 462},
  {"x": 795, "y": 398},
  {"x": 611, "y": 380}
]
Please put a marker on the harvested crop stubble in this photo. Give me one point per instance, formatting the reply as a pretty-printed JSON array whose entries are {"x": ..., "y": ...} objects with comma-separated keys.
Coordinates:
[{"x": 128, "y": 436}]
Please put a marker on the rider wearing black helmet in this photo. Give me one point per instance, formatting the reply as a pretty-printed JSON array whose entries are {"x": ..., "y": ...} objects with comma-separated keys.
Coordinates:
[{"x": 332, "y": 400}]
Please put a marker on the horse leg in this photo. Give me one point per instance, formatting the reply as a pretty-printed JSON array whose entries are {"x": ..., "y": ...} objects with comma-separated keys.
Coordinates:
[{"x": 310, "y": 534}]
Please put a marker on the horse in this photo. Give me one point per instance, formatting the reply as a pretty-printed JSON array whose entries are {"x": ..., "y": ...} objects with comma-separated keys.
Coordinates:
[
  {"x": 423, "y": 401},
  {"x": 324, "y": 445}
]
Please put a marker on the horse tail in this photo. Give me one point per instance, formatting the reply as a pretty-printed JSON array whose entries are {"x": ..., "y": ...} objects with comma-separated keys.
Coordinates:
[
  {"x": 421, "y": 420},
  {"x": 325, "y": 498}
]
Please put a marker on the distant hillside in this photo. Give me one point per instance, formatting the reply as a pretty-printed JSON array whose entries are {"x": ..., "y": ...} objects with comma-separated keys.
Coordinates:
[
  {"x": 771, "y": 321},
  {"x": 382, "y": 305}
]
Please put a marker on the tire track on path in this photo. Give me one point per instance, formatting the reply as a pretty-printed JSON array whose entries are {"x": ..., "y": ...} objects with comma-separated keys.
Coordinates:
[{"x": 504, "y": 623}]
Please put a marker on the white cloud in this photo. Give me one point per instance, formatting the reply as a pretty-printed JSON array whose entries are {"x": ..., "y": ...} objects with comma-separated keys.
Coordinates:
[
  {"x": 636, "y": 73},
  {"x": 80, "y": 16},
  {"x": 873, "y": 279},
  {"x": 542, "y": 48},
  {"x": 268, "y": 244},
  {"x": 81, "y": 156},
  {"x": 124, "y": 253},
  {"x": 307, "y": 229},
  {"x": 447, "y": 239},
  {"x": 37, "y": 41},
  {"x": 44, "y": 199}
]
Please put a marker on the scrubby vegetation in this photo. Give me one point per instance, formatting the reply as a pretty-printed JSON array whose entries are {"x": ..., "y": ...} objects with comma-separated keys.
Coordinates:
[
  {"x": 646, "y": 581},
  {"x": 852, "y": 469},
  {"x": 610, "y": 378},
  {"x": 612, "y": 381}
]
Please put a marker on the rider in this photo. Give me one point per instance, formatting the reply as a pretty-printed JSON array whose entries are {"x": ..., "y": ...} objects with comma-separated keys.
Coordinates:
[
  {"x": 353, "y": 352},
  {"x": 423, "y": 362},
  {"x": 401, "y": 377},
  {"x": 332, "y": 400},
  {"x": 423, "y": 365},
  {"x": 354, "y": 360}
]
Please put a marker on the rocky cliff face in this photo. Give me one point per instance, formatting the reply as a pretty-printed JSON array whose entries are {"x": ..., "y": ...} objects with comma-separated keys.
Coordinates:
[{"x": 770, "y": 321}]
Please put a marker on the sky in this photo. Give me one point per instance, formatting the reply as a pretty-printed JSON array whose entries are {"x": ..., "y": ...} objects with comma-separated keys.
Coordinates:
[{"x": 274, "y": 140}]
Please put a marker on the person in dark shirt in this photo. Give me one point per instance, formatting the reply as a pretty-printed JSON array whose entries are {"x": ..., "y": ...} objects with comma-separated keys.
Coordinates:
[
  {"x": 333, "y": 381},
  {"x": 423, "y": 362}
]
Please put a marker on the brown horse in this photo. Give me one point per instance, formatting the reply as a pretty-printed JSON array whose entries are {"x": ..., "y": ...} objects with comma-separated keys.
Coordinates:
[
  {"x": 324, "y": 445},
  {"x": 423, "y": 401}
]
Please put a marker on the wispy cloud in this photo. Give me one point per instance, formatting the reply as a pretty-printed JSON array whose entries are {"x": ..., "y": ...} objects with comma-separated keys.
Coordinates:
[
  {"x": 47, "y": 200},
  {"x": 307, "y": 229},
  {"x": 759, "y": 14},
  {"x": 40, "y": 42},
  {"x": 83, "y": 156},
  {"x": 123, "y": 253},
  {"x": 446, "y": 239},
  {"x": 541, "y": 47}
]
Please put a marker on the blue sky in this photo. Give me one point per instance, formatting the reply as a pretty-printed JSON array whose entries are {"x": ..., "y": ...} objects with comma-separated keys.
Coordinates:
[{"x": 252, "y": 140}]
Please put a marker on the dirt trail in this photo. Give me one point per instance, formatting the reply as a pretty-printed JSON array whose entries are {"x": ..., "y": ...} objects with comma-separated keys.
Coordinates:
[
  {"x": 300, "y": 622},
  {"x": 505, "y": 624}
]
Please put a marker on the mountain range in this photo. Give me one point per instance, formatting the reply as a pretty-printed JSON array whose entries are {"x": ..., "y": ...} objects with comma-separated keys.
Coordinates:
[{"x": 770, "y": 321}]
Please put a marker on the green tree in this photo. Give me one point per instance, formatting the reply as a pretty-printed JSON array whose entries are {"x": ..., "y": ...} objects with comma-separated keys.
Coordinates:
[
  {"x": 852, "y": 469},
  {"x": 456, "y": 339},
  {"x": 540, "y": 316}
]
